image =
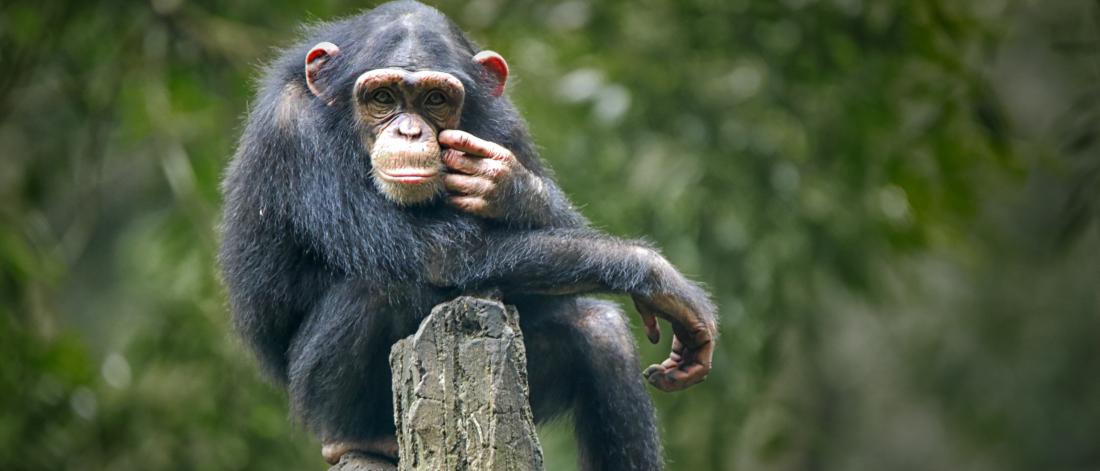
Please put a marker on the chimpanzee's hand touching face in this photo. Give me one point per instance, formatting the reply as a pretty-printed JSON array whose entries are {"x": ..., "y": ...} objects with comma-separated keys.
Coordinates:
[{"x": 482, "y": 174}]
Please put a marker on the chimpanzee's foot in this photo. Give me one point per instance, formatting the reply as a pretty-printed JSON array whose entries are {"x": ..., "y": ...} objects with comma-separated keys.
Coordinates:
[
  {"x": 357, "y": 461},
  {"x": 379, "y": 448}
]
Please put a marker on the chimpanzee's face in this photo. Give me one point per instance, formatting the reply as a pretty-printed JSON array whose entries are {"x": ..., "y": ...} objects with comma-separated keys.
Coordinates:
[{"x": 400, "y": 115}]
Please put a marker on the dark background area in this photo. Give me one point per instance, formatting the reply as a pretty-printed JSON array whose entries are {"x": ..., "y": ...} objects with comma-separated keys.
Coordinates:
[{"x": 895, "y": 204}]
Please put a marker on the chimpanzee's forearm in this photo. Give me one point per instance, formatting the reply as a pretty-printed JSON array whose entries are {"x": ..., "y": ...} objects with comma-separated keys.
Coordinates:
[{"x": 561, "y": 261}]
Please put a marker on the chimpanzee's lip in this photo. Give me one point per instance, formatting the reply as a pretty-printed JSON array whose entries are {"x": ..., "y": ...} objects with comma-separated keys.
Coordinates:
[{"x": 408, "y": 175}]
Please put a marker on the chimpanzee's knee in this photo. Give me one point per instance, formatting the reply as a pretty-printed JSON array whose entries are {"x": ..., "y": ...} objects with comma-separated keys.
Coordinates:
[
  {"x": 603, "y": 333},
  {"x": 566, "y": 341},
  {"x": 581, "y": 357},
  {"x": 572, "y": 344}
]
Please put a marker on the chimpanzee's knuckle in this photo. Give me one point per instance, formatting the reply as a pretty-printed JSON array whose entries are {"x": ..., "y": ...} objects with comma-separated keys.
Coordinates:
[
  {"x": 493, "y": 171},
  {"x": 461, "y": 140},
  {"x": 700, "y": 328},
  {"x": 703, "y": 334}
]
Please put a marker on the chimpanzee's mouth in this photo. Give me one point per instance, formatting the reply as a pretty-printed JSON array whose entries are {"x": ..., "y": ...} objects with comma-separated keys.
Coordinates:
[{"x": 411, "y": 176}]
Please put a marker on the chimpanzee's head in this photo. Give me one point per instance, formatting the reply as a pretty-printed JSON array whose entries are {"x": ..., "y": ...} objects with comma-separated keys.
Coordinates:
[{"x": 403, "y": 95}]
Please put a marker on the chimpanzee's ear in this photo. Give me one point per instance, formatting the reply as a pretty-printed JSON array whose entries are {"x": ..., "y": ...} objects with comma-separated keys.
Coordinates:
[
  {"x": 315, "y": 61},
  {"x": 496, "y": 67}
]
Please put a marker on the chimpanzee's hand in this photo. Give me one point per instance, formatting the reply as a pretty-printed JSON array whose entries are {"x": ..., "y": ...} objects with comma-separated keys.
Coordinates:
[
  {"x": 686, "y": 306},
  {"x": 481, "y": 174}
]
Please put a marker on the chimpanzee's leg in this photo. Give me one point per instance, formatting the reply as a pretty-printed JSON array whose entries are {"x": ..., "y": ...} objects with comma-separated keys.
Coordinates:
[
  {"x": 581, "y": 354},
  {"x": 339, "y": 375}
]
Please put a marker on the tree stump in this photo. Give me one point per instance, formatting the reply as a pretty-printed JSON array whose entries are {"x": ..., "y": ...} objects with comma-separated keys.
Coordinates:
[{"x": 460, "y": 391}]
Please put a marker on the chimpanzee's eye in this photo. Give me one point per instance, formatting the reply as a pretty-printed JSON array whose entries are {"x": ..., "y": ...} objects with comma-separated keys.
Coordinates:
[
  {"x": 435, "y": 98},
  {"x": 383, "y": 97}
]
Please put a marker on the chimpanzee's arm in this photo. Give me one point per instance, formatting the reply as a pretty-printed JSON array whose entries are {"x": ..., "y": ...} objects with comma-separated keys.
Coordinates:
[
  {"x": 573, "y": 261},
  {"x": 581, "y": 260},
  {"x": 271, "y": 286},
  {"x": 487, "y": 180}
]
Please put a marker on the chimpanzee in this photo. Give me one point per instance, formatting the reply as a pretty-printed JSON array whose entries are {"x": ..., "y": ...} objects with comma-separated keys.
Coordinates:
[{"x": 382, "y": 171}]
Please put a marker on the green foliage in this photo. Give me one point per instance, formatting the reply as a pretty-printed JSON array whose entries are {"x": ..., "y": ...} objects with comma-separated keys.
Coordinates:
[{"x": 894, "y": 202}]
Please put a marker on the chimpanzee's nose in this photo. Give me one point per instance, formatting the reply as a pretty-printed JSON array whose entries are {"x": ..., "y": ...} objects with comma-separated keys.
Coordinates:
[{"x": 409, "y": 128}]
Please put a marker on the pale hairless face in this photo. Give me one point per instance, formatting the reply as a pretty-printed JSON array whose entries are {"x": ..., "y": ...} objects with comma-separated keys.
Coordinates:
[
  {"x": 401, "y": 114},
  {"x": 408, "y": 122}
]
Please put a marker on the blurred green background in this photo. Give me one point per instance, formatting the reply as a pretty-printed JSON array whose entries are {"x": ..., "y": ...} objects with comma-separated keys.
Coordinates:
[{"x": 895, "y": 204}]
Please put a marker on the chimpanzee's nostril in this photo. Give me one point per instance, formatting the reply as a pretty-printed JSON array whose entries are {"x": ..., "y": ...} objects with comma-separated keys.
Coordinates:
[{"x": 409, "y": 128}]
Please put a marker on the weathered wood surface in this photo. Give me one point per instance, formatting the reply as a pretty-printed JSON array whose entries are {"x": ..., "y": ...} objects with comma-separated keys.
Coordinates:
[{"x": 460, "y": 393}]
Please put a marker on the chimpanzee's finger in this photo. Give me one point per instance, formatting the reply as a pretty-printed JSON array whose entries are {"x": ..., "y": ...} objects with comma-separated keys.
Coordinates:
[
  {"x": 664, "y": 376},
  {"x": 458, "y": 161},
  {"x": 670, "y": 377},
  {"x": 652, "y": 330},
  {"x": 673, "y": 361},
  {"x": 691, "y": 330},
  {"x": 694, "y": 364},
  {"x": 470, "y": 204},
  {"x": 655, "y": 369},
  {"x": 467, "y": 184},
  {"x": 658, "y": 377},
  {"x": 694, "y": 336},
  {"x": 462, "y": 162},
  {"x": 686, "y": 375},
  {"x": 652, "y": 372},
  {"x": 472, "y": 144},
  {"x": 688, "y": 363},
  {"x": 674, "y": 357}
]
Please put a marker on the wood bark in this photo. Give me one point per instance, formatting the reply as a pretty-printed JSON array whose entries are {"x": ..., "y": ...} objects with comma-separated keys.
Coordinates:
[{"x": 460, "y": 393}]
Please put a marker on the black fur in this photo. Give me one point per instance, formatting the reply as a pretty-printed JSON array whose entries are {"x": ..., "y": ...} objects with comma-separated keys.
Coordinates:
[{"x": 324, "y": 273}]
